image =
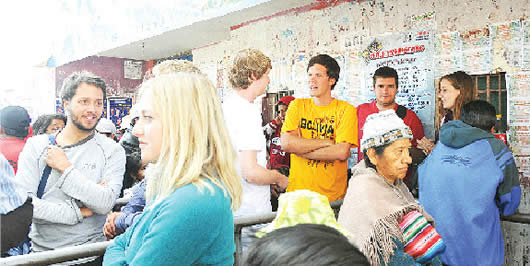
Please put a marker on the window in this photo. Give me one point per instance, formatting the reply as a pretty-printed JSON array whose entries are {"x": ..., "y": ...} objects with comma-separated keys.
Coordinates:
[{"x": 492, "y": 88}]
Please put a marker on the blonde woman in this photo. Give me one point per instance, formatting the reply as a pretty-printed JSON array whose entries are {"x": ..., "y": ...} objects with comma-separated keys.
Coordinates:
[{"x": 192, "y": 184}]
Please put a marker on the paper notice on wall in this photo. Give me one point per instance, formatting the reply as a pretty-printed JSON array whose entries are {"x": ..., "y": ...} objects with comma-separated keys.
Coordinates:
[
  {"x": 506, "y": 39},
  {"x": 411, "y": 54},
  {"x": 518, "y": 87},
  {"x": 448, "y": 57},
  {"x": 299, "y": 76},
  {"x": 423, "y": 21},
  {"x": 525, "y": 39},
  {"x": 477, "y": 52},
  {"x": 132, "y": 69}
]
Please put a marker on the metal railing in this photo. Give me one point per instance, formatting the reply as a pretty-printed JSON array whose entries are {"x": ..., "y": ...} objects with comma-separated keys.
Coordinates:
[
  {"x": 58, "y": 255},
  {"x": 98, "y": 249}
]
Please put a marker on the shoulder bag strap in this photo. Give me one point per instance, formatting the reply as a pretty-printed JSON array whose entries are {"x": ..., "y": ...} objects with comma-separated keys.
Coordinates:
[
  {"x": 46, "y": 172},
  {"x": 401, "y": 111}
]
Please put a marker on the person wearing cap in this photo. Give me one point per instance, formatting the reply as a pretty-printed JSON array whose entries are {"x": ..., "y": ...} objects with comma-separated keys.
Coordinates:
[
  {"x": 106, "y": 127},
  {"x": 86, "y": 171},
  {"x": 277, "y": 156},
  {"x": 467, "y": 182},
  {"x": 14, "y": 126},
  {"x": 319, "y": 132},
  {"x": 304, "y": 216},
  {"x": 377, "y": 199},
  {"x": 278, "y": 159}
]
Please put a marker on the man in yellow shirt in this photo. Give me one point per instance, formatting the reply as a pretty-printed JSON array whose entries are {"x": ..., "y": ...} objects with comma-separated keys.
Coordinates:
[{"x": 319, "y": 132}]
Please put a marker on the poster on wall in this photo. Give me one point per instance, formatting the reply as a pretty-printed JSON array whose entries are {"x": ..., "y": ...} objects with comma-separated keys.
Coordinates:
[
  {"x": 506, "y": 42},
  {"x": 525, "y": 54},
  {"x": 448, "y": 57},
  {"x": 477, "y": 51},
  {"x": 118, "y": 108},
  {"x": 412, "y": 55},
  {"x": 518, "y": 86},
  {"x": 58, "y": 106},
  {"x": 132, "y": 69}
]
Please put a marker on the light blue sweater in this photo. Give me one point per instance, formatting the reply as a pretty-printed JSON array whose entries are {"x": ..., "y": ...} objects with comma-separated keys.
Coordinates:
[{"x": 189, "y": 227}]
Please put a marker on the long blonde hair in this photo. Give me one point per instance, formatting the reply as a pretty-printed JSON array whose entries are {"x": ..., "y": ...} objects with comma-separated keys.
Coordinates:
[{"x": 195, "y": 140}]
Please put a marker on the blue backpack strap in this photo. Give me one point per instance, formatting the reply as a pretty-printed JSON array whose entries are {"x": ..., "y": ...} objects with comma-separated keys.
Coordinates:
[{"x": 45, "y": 173}]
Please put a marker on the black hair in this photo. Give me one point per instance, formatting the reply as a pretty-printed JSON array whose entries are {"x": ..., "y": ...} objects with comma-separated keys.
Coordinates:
[
  {"x": 479, "y": 114},
  {"x": 72, "y": 82},
  {"x": 331, "y": 65},
  {"x": 39, "y": 124},
  {"x": 378, "y": 151},
  {"x": 43, "y": 122},
  {"x": 386, "y": 72},
  {"x": 304, "y": 244},
  {"x": 133, "y": 164},
  {"x": 130, "y": 142}
]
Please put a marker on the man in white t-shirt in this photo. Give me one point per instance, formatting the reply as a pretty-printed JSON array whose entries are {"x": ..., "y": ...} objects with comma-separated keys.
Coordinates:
[{"x": 249, "y": 77}]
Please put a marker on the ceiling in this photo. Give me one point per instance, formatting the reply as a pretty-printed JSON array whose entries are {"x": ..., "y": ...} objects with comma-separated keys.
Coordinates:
[{"x": 201, "y": 33}]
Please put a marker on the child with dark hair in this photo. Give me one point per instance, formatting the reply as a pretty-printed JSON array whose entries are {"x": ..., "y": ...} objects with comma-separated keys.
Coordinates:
[
  {"x": 49, "y": 124},
  {"x": 466, "y": 183},
  {"x": 278, "y": 159},
  {"x": 134, "y": 170},
  {"x": 304, "y": 244},
  {"x": 118, "y": 222}
]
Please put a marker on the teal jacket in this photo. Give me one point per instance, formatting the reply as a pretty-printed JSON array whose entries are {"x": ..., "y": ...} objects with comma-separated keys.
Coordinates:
[{"x": 189, "y": 227}]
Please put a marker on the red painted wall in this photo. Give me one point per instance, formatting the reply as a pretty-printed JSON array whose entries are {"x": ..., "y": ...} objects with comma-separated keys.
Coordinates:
[{"x": 109, "y": 68}]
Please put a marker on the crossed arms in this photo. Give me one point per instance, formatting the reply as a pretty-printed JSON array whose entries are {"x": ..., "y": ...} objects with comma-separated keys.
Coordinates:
[
  {"x": 78, "y": 189},
  {"x": 314, "y": 149}
]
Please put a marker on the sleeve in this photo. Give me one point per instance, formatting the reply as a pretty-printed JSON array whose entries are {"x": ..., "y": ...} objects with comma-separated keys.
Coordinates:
[
  {"x": 29, "y": 175},
  {"x": 177, "y": 232},
  {"x": 125, "y": 220},
  {"x": 12, "y": 195},
  {"x": 292, "y": 118},
  {"x": 98, "y": 198},
  {"x": 415, "y": 125},
  {"x": 115, "y": 253},
  {"x": 270, "y": 128},
  {"x": 400, "y": 257},
  {"x": 347, "y": 126},
  {"x": 45, "y": 211},
  {"x": 509, "y": 190},
  {"x": 137, "y": 201}
]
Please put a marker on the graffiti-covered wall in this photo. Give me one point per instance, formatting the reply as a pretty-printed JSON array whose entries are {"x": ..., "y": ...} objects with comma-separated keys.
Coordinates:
[{"x": 422, "y": 39}]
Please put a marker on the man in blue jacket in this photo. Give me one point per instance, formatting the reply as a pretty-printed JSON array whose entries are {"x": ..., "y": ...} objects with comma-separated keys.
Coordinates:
[{"x": 466, "y": 183}]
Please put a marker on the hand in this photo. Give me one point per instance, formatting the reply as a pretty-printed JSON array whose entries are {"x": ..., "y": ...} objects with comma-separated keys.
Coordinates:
[
  {"x": 282, "y": 182},
  {"x": 57, "y": 159},
  {"x": 278, "y": 120},
  {"x": 109, "y": 229},
  {"x": 426, "y": 145},
  {"x": 86, "y": 212},
  {"x": 276, "y": 190}
]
